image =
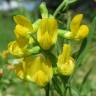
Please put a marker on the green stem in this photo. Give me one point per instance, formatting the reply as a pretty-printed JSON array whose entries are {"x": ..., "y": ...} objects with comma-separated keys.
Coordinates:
[
  {"x": 66, "y": 83},
  {"x": 59, "y": 8},
  {"x": 65, "y": 92},
  {"x": 47, "y": 89},
  {"x": 86, "y": 77},
  {"x": 70, "y": 91},
  {"x": 69, "y": 19}
]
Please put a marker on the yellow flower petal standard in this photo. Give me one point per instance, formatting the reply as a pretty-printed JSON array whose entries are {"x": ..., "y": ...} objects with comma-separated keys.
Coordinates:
[
  {"x": 75, "y": 23},
  {"x": 37, "y": 69},
  {"x": 77, "y": 31},
  {"x": 23, "y": 21},
  {"x": 65, "y": 62},
  {"x": 47, "y": 33},
  {"x": 23, "y": 27}
]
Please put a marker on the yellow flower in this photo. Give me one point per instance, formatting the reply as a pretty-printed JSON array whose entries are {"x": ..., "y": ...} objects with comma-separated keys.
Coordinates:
[
  {"x": 47, "y": 33},
  {"x": 23, "y": 27},
  {"x": 77, "y": 31},
  {"x": 18, "y": 48},
  {"x": 21, "y": 47},
  {"x": 65, "y": 62},
  {"x": 37, "y": 69}
]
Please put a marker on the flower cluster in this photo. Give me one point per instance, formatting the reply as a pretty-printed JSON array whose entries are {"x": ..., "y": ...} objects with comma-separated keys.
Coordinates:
[{"x": 34, "y": 41}]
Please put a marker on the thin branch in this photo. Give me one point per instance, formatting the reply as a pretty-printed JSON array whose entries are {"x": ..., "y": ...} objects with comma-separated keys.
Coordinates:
[{"x": 59, "y": 8}]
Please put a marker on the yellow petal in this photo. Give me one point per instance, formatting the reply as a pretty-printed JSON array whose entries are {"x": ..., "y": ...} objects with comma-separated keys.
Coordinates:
[
  {"x": 23, "y": 21},
  {"x": 75, "y": 23},
  {"x": 65, "y": 55},
  {"x": 67, "y": 68},
  {"x": 83, "y": 32},
  {"x": 52, "y": 25},
  {"x": 53, "y": 29},
  {"x": 22, "y": 42},
  {"x": 14, "y": 49},
  {"x": 45, "y": 41},
  {"x": 40, "y": 78},
  {"x": 66, "y": 51},
  {"x": 21, "y": 31}
]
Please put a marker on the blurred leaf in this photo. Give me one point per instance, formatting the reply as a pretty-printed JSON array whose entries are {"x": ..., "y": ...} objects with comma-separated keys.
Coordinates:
[
  {"x": 57, "y": 85},
  {"x": 86, "y": 77},
  {"x": 75, "y": 92},
  {"x": 82, "y": 47}
]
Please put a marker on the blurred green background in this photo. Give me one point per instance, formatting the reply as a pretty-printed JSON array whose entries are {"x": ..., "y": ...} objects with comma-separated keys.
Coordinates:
[{"x": 10, "y": 85}]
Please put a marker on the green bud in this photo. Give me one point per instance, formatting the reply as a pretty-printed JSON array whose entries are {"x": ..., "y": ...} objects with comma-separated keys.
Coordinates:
[{"x": 43, "y": 9}]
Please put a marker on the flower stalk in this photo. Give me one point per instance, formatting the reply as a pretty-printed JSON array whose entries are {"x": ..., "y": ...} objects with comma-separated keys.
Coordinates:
[{"x": 37, "y": 56}]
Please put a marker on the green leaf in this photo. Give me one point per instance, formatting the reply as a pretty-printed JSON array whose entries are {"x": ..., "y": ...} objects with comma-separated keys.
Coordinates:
[{"x": 57, "y": 85}]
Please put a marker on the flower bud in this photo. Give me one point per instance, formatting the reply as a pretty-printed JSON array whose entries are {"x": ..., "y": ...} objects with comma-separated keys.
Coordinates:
[
  {"x": 5, "y": 54},
  {"x": 44, "y": 11},
  {"x": 1, "y": 72}
]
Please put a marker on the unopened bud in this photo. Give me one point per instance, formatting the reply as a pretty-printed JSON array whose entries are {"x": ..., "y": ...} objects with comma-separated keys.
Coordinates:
[
  {"x": 1, "y": 72},
  {"x": 5, "y": 54}
]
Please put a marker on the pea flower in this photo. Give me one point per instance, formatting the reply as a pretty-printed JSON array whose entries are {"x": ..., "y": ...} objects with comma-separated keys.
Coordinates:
[
  {"x": 65, "y": 62},
  {"x": 47, "y": 30},
  {"x": 23, "y": 29},
  {"x": 78, "y": 31},
  {"x": 37, "y": 69},
  {"x": 47, "y": 33}
]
